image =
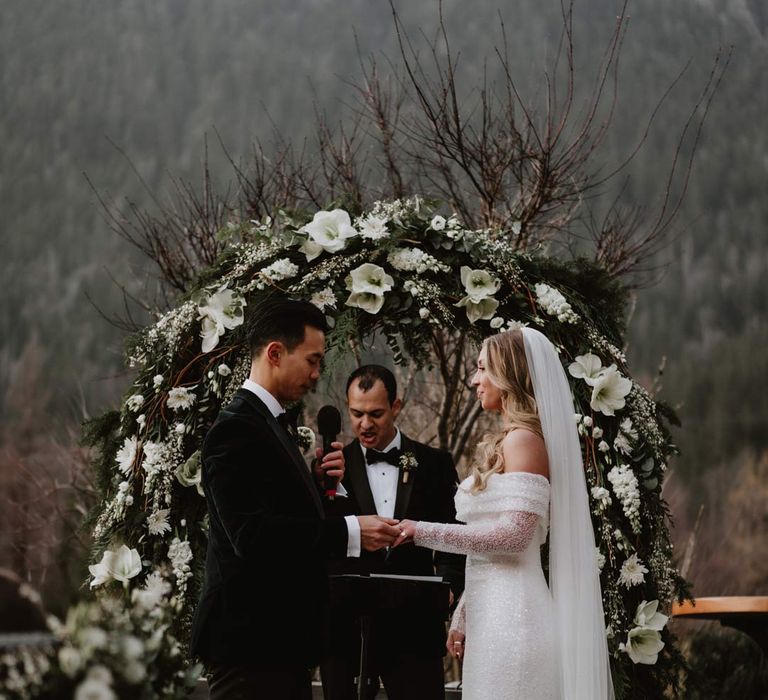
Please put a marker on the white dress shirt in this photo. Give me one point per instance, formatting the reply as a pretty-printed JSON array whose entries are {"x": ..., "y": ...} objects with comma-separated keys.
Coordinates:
[{"x": 276, "y": 409}]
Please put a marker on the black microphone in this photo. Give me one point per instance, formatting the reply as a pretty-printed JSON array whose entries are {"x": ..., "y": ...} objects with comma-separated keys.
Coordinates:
[{"x": 329, "y": 426}]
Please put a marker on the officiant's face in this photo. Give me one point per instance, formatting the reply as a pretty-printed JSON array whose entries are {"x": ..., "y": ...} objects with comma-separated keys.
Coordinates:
[{"x": 371, "y": 415}]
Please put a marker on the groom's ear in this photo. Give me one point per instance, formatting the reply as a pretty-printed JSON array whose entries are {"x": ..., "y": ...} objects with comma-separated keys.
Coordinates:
[
  {"x": 274, "y": 352},
  {"x": 397, "y": 406}
]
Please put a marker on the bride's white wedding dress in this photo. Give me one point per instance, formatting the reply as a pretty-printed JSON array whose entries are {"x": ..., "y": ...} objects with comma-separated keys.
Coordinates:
[{"x": 506, "y": 607}]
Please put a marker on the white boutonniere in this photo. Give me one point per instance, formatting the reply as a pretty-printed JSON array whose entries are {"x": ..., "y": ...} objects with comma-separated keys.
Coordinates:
[
  {"x": 408, "y": 464},
  {"x": 305, "y": 438}
]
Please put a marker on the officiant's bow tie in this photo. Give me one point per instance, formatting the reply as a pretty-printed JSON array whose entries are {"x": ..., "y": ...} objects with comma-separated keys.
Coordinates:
[{"x": 391, "y": 456}]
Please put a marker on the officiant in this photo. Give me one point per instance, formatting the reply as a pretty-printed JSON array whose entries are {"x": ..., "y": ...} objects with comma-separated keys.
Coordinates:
[{"x": 390, "y": 475}]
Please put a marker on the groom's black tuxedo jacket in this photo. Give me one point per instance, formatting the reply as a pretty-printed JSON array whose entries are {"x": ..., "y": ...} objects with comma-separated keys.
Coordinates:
[
  {"x": 265, "y": 590},
  {"x": 428, "y": 495}
]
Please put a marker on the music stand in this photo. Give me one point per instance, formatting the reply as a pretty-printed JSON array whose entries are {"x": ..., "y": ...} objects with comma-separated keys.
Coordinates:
[{"x": 365, "y": 595}]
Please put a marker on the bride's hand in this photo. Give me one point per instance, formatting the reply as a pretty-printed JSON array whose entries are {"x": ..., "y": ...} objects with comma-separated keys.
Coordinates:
[
  {"x": 455, "y": 644},
  {"x": 407, "y": 530}
]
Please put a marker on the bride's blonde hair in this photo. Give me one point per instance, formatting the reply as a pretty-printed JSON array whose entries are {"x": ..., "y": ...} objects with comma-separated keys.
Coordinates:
[{"x": 507, "y": 367}]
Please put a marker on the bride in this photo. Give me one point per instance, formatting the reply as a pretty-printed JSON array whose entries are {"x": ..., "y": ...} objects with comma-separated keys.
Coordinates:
[{"x": 521, "y": 638}]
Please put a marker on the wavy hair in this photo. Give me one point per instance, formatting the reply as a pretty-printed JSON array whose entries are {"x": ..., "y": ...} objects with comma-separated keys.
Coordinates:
[{"x": 507, "y": 367}]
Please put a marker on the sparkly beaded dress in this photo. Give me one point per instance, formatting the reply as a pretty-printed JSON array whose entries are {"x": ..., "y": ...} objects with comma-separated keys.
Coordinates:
[{"x": 506, "y": 609}]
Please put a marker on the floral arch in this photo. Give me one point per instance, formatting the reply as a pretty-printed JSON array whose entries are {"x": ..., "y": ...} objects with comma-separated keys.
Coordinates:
[{"x": 401, "y": 270}]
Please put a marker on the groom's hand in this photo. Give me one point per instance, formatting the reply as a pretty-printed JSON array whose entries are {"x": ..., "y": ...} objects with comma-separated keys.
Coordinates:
[
  {"x": 377, "y": 532},
  {"x": 331, "y": 464}
]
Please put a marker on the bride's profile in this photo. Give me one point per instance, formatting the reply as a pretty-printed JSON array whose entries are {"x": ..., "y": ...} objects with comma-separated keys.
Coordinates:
[{"x": 520, "y": 635}]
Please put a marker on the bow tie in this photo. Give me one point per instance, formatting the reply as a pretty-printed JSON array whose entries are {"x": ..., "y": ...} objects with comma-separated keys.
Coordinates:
[
  {"x": 287, "y": 421},
  {"x": 392, "y": 457}
]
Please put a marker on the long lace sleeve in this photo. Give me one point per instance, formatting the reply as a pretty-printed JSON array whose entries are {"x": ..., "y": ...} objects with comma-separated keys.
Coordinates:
[
  {"x": 459, "y": 619},
  {"x": 510, "y": 532}
]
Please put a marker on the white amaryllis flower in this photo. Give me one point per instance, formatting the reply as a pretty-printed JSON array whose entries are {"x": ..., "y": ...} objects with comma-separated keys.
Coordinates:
[
  {"x": 609, "y": 390},
  {"x": 329, "y": 230},
  {"x": 647, "y": 615},
  {"x": 632, "y": 572},
  {"x": 157, "y": 522},
  {"x": 367, "y": 285},
  {"x": 373, "y": 227},
  {"x": 221, "y": 311},
  {"x": 643, "y": 645},
  {"x": 100, "y": 571},
  {"x": 585, "y": 366},
  {"x": 480, "y": 286},
  {"x": 180, "y": 398},
  {"x": 124, "y": 564},
  {"x": 126, "y": 455}
]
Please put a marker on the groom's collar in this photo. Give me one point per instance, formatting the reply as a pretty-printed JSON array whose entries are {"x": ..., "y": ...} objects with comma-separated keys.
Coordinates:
[
  {"x": 267, "y": 399},
  {"x": 396, "y": 443}
]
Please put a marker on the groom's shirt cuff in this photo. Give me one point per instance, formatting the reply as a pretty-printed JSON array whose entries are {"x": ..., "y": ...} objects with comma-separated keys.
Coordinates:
[{"x": 353, "y": 536}]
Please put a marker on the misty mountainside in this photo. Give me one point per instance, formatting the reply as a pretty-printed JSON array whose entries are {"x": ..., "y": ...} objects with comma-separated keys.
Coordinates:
[{"x": 128, "y": 94}]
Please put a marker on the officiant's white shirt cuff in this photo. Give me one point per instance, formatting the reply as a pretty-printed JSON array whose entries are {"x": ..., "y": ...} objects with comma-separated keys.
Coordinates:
[{"x": 353, "y": 536}]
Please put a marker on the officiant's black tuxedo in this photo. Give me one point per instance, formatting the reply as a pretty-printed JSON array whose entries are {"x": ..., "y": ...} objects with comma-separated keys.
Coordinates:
[
  {"x": 427, "y": 495},
  {"x": 265, "y": 589}
]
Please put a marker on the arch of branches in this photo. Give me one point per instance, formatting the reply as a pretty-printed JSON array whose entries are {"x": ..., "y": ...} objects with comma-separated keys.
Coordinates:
[{"x": 429, "y": 287}]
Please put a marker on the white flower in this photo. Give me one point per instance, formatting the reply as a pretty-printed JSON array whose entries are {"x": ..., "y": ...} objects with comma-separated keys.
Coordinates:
[
  {"x": 124, "y": 564},
  {"x": 310, "y": 249},
  {"x": 141, "y": 420},
  {"x": 643, "y": 645},
  {"x": 647, "y": 616},
  {"x": 587, "y": 420},
  {"x": 135, "y": 402},
  {"x": 479, "y": 310},
  {"x": 91, "y": 639},
  {"x": 180, "y": 554},
  {"x": 329, "y": 230},
  {"x": 373, "y": 227},
  {"x": 154, "y": 592},
  {"x": 279, "y": 270},
  {"x": 423, "y": 312},
  {"x": 603, "y": 446},
  {"x": 627, "y": 435},
  {"x": 585, "y": 366},
  {"x": 513, "y": 325},
  {"x": 479, "y": 284},
  {"x": 131, "y": 647},
  {"x": 157, "y": 522},
  {"x": 415, "y": 260},
  {"x": 609, "y": 390},
  {"x": 496, "y": 322},
  {"x": 134, "y": 672},
  {"x": 180, "y": 398},
  {"x": 325, "y": 297},
  {"x": 94, "y": 689},
  {"x": 601, "y": 495},
  {"x": 223, "y": 370},
  {"x": 126, "y": 455},
  {"x": 437, "y": 223},
  {"x": 306, "y": 438},
  {"x": 554, "y": 303},
  {"x": 157, "y": 381},
  {"x": 190, "y": 473},
  {"x": 70, "y": 661},
  {"x": 367, "y": 285},
  {"x": 632, "y": 572},
  {"x": 222, "y": 310},
  {"x": 600, "y": 559},
  {"x": 625, "y": 486},
  {"x": 180, "y": 428},
  {"x": 100, "y": 673},
  {"x": 100, "y": 571}
]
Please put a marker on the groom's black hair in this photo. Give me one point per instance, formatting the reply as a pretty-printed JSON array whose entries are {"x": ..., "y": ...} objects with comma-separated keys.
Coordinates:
[
  {"x": 369, "y": 375},
  {"x": 283, "y": 319}
]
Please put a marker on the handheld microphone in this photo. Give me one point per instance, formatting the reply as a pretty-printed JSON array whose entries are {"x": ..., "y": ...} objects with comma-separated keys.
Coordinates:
[{"x": 329, "y": 426}]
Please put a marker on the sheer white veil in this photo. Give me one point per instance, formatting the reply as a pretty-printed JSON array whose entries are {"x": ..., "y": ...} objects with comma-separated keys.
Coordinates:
[{"x": 579, "y": 626}]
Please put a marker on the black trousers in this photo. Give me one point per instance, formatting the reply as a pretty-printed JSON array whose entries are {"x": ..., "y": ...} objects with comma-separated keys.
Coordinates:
[
  {"x": 405, "y": 677},
  {"x": 249, "y": 683}
]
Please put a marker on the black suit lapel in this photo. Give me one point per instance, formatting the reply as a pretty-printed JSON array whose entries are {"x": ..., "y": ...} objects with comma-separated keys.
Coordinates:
[
  {"x": 288, "y": 444},
  {"x": 404, "y": 491},
  {"x": 357, "y": 478}
]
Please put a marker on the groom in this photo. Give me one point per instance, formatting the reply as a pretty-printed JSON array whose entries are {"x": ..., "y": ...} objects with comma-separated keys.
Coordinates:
[
  {"x": 391, "y": 475},
  {"x": 258, "y": 625}
]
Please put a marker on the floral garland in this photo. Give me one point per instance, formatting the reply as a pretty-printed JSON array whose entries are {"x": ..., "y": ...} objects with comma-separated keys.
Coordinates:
[{"x": 402, "y": 270}]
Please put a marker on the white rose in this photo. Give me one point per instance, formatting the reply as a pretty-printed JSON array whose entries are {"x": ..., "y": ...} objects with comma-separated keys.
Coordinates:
[
  {"x": 329, "y": 230},
  {"x": 437, "y": 223},
  {"x": 496, "y": 322},
  {"x": 423, "y": 312}
]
